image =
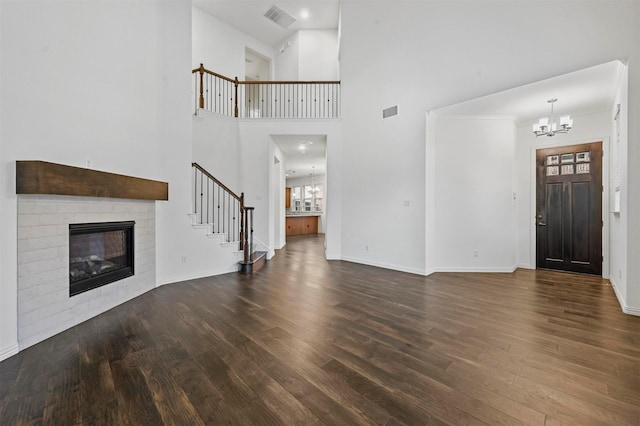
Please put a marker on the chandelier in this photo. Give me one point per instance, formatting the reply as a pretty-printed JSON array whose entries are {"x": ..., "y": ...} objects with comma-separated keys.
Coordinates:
[
  {"x": 547, "y": 127},
  {"x": 314, "y": 188}
]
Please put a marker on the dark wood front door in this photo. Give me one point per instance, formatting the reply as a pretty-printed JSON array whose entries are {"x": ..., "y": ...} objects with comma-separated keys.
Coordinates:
[{"x": 569, "y": 208}]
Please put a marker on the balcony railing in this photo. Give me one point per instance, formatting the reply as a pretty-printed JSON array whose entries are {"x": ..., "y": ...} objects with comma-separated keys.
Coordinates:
[{"x": 265, "y": 99}]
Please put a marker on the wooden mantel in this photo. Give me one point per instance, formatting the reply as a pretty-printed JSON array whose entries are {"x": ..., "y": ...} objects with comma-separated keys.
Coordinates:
[{"x": 41, "y": 177}]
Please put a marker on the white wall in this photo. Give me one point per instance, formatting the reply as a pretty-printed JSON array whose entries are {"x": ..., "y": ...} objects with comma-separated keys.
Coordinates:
[
  {"x": 398, "y": 48},
  {"x": 308, "y": 55},
  {"x": 216, "y": 147},
  {"x": 8, "y": 239},
  {"x": 277, "y": 176},
  {"x": 93, "y": 81},
  {"x": 176, "y": 238},
  {"x": 318, "y": 56},
  {"x": 288, "y": 59},
  {"x": 618, "y": 178},
  {"x": 632, "y": 210},
  {"x": 221, "y": 47},
  {"x": 473, "y": 199}
]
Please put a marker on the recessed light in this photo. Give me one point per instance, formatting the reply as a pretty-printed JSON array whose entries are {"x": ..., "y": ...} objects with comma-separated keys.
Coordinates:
[
  {"x": 304, "y": 13},
  {"x": 304, "y": 145}
]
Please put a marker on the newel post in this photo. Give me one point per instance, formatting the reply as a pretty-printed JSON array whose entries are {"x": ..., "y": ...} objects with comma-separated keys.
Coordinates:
[
  {"x": 201, "y": 99},
  {"x": 235, "y": 100},
  {"x": 243, "y": 214}
]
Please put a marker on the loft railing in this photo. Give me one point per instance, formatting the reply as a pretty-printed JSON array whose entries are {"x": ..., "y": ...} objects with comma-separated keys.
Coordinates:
[
  {"x": 216, "y": 205},
  {"x": 265, "y": 99}
]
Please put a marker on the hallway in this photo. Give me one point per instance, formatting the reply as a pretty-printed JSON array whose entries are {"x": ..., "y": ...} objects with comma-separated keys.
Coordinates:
[{"x": 309, "y": 341}]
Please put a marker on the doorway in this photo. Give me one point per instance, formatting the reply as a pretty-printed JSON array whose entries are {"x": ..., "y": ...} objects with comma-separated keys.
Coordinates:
[
  {"x": 569, "y": 208},
  {"x": 257, "y": 68},
  {"x": 304, "y": 195}
]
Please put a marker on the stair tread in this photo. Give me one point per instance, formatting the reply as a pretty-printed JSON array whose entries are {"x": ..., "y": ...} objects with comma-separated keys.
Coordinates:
[{"x": 255, "y": 257}]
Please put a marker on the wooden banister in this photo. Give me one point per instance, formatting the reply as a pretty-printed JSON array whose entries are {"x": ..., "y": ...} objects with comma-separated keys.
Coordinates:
[
  {"x": 289, "y": 82},
  {"x": 220, "y": 184},
  {"x": 202, "y": 69}
]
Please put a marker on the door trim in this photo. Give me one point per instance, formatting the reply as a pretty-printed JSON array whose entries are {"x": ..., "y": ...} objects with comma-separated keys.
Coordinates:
[{"x": 605, "y": 196}]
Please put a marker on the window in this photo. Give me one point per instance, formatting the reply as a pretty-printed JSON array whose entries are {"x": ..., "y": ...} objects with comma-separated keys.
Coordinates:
[{"x": 307, "y": 199}]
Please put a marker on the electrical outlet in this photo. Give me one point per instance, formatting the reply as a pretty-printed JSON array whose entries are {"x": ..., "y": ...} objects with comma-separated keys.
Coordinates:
[
  {"x": 476, "y": 253},
  {"x": 184, "y": 259},
  {"x": 366, "y": 248},
  {"x": 88, "y": 164}
]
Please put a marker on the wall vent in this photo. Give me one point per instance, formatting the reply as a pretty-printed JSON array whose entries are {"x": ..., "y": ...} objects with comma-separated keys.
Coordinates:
[
  {"x": 279, "y": 16},
  {"x": 390, "y": 112}
]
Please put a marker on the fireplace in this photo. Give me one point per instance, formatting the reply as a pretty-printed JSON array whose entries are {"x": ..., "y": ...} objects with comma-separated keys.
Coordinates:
[{"x": 99, "y": 254}]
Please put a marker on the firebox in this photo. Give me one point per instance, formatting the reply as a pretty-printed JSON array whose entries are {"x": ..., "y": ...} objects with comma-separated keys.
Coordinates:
[{"x": 99, "y": 254}]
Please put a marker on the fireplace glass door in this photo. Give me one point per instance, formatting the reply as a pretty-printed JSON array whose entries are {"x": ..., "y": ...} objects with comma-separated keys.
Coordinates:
[{"x": 99, "y": 254}]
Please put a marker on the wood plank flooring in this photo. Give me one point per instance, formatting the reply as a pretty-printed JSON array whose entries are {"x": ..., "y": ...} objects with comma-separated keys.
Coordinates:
[{"x": 310, "y": 342}]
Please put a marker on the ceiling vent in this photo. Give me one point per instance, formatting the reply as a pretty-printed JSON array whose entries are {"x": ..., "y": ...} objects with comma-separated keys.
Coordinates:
[{"x": 279, "y": 16}]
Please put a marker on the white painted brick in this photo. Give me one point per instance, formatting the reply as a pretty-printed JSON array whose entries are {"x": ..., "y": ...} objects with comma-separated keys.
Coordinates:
[
  {"x": 37, "y": 308},
  {"x": 28, "y": 256},
  {"x": 42, "y": 266},
  {"x": 43, "y": 242},
  {"x": 28, "y": 220},
  {"x": 73, "y": 207},
  {"x": 41, "y": 278},
  {"x": 55, "y": 219},
  {"x": 34, "y": 207},
  {"x": 37, "y": 231}
]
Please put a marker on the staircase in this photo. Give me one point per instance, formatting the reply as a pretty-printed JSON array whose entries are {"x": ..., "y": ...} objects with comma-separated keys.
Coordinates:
[{"x": 223, "y": 215}]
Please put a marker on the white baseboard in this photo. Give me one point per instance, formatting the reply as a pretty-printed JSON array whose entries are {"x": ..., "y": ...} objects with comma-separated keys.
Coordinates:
[
  {"x": 427, "y": 272},
  {"x": 8, "y": 352},
  {"x": 631, "y": 310},
  {"x": 179, "y": 278},
  {"x": 482, "y": 269},
  {"x": 385, "y": 265},
  {"x": 524, "y": 266}
]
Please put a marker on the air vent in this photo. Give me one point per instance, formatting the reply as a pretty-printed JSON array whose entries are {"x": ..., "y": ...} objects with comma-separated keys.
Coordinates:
[
  {"x": 390, "y": 112},
  {"x": 279, "y": 16}
]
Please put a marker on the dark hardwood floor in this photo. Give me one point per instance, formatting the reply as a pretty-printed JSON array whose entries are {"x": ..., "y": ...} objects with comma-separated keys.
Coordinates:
[{"x": 306, "y": 341}]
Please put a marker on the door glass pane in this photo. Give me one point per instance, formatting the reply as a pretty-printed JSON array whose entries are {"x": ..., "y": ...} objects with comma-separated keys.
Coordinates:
[
  {"x": 567, "y": 169},
  {"x": 566, "y": 158},
  {"x": 553, "y": 171},
  {"x": 582, "y": 168},
  {"x": 583, "y": 157},
  {"x": 553, "y": 160}
]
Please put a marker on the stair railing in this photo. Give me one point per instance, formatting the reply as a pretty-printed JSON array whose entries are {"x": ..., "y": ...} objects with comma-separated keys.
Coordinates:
[
  {"x": 265, "y": 99},
  {"x": 216, "y": 205}
]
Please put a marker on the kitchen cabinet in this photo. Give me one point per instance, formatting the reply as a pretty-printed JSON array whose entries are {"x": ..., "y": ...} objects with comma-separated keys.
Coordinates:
[
  {"x": 302, "y": 225},
  {"x": 287, "y": 198}
]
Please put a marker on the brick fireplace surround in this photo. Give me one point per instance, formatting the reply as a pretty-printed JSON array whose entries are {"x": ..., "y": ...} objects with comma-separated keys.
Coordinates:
[{"x": 44, "y": 305}]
